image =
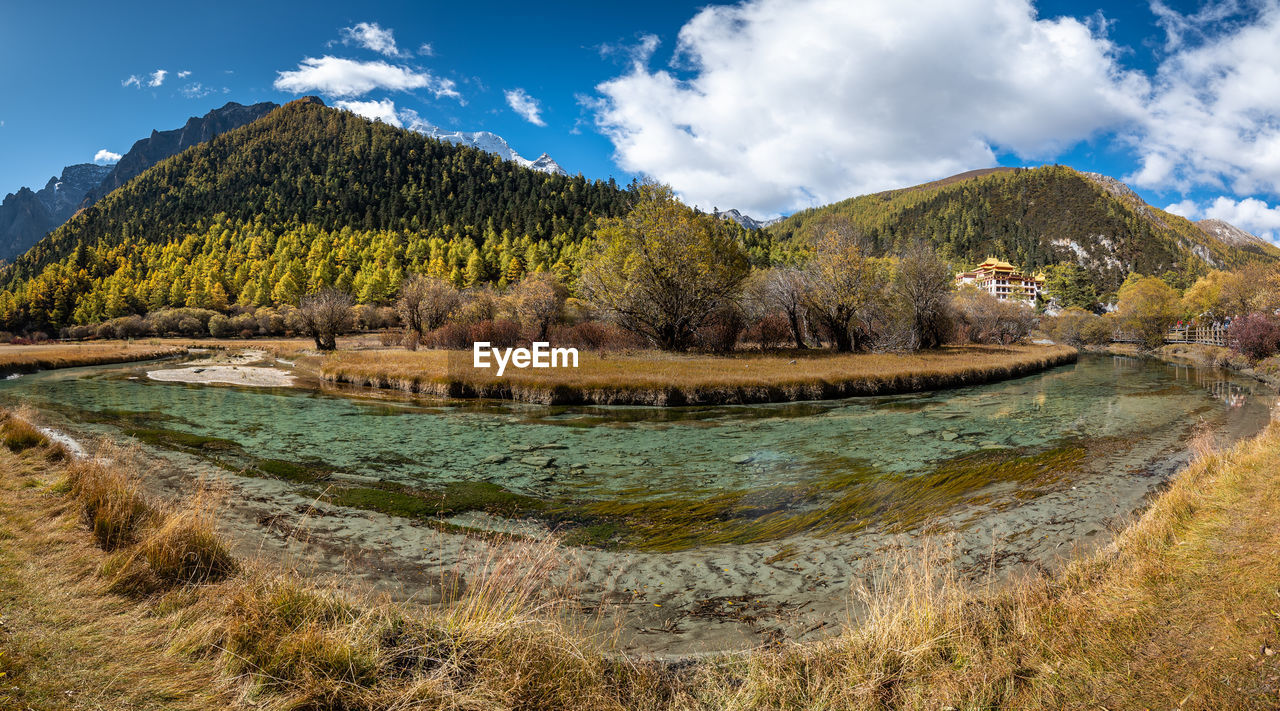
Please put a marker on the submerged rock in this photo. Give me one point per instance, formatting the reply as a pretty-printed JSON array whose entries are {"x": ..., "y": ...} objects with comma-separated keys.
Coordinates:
[{"x": 539, "y": 462}]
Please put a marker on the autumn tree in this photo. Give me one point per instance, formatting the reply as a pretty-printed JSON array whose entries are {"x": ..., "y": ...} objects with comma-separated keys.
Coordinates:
[
  {"x": 663, "y": 269},
  {"x": 847, "y": 290},
  {"x": 325, "y": 314},
  {"x": 1147, "y": 307},
  {"x": 1071, "y": 285},
  {"x": 538, "y": 300}
]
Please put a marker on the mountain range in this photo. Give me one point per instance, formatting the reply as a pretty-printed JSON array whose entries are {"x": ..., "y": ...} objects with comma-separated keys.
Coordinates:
[
  {"x": 23, "y": 221},
  {"x": 1035, "y": 217},
  {"x": 302, "y": 196},
  {"x": 27, "y": 215}
]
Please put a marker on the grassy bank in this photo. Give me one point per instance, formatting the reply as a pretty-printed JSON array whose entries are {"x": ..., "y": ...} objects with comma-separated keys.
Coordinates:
[
  {"x": 654, "y": 378},
  {"x": 110, "y": 600},
  {"x": 47, "y": 356}
]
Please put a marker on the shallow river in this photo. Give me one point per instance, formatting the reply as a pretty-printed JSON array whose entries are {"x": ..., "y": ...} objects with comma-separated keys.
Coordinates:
[{"x": 1052, "y": 458}]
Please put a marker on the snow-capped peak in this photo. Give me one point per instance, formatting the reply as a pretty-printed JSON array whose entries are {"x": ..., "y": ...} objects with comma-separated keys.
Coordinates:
[
  {"x": 746, "y": 220},
  {"x": 487, "y": 141}
]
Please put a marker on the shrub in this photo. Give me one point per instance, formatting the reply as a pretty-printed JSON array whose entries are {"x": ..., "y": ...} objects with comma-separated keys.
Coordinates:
[
  {"x": 191, "y": 326},
  {"x": 220, "y": 327},
  {"x": 244, "y": 324},
  {"x": 270, "y": 322},
  {"x": 500, "y": 333},
  {"x": 720, "y": 332},
  {"x": 769, "y": 331},
  {"x": 982, "y": 318},
  {"x": 1255, "y": 335},
  {"x": 452, "y": 336},
  {"x": 594, "y": 335},
  {"x": 79, "y": 333},
  {"x": 1070, "y": 326}
]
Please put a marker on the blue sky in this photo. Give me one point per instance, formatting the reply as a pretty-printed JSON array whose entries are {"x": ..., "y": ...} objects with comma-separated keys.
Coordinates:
[{"x": 766, "y": 105}]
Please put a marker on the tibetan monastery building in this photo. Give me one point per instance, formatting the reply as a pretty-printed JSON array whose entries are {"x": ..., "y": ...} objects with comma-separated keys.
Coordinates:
[{"x": 1003, "y": 281}]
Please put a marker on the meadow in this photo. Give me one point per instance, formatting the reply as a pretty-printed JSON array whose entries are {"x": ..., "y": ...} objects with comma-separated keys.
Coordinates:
[
  {"x": 662, "y": 378},
  {"x": 47, "y": 356}
]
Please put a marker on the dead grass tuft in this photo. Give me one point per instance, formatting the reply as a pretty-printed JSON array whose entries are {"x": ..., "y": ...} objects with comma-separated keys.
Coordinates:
[
  {"x": 112, "y": 500},
  {"x": 181, "y": 548},
  {"x": 19, "y": 435}
]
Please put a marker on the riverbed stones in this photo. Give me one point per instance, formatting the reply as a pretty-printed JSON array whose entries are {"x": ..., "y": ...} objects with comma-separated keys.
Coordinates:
[
  {"x": 537, "y": 462},
  {"x": 947, "y": 436}
]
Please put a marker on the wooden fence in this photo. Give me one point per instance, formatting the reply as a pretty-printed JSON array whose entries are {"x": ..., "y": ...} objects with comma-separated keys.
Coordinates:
[{"x": 1212, "y": 335}]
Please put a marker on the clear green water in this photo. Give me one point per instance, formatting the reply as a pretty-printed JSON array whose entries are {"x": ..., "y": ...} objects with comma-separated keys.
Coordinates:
[{"x": 586, "y": 454}]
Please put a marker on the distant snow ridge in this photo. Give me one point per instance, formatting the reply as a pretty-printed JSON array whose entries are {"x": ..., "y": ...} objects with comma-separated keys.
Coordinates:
[
  {"x": 1229, "y": 233},
  {"x": 746, "y": 220},
  {"x": 491, "y": 142}
]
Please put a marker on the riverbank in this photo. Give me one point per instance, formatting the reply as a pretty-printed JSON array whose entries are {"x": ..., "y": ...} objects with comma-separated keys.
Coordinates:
[
  {"x": 654, "y": 378},
  {"x": 48, "y": 356},
  {"x": 1176, "y": 613}
]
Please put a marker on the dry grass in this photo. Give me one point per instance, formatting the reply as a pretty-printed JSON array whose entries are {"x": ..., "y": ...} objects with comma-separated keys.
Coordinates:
[
  {"x": 47, "y": 356},
  {"x": 111, "y": 500},
  {"x": 1179, "y": 613},
  {"x": 651, "y": 377}
]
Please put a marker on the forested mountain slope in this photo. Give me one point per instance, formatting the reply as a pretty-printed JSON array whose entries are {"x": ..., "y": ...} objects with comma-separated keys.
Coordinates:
[
  {"x": 306, "y": 196},
  {"x": 1037, "y": 217}
]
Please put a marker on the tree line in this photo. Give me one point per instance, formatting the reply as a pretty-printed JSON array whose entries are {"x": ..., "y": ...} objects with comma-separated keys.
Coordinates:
[{"x": 661, "y": 275}]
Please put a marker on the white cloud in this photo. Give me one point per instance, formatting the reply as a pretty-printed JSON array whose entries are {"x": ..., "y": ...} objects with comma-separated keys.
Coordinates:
[
  {"x": 106, "y": 156},
  {"x": 426, "y": 50},
  {"x": 133, "y": 80},
  {"x": 371, "y": 35},
  {"x": 157, "y": 77},
  {"x": 1186, "y": 208},
  {"x": 196, "y": 90},
  {"x": 384, "y": 110},
  {"x": 183, "y": 74},
  {"x": 526, "y": 106},
  {"x": 775, "y": 105},
  {"x": 1214, "y": 118},
  {"x": 339, "y": 77}
]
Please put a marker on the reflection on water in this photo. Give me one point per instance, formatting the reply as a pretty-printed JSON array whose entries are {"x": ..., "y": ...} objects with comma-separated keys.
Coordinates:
[{"x": 651, "y": 453}]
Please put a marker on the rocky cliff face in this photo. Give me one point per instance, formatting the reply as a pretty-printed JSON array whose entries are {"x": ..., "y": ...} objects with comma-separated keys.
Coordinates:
[
  {"x": 27, "y": 215},
  {"x": 162, "y": 144}
]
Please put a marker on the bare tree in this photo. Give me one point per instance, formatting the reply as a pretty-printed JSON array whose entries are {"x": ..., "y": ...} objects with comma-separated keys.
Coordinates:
[
  {"x": 325, "y": 314},
  {"x": 922, "y": 284},
  {"x": 782, "y": 289},
  {"x": 539, "y": 301},
  {"x": 425, "y": 304}
]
